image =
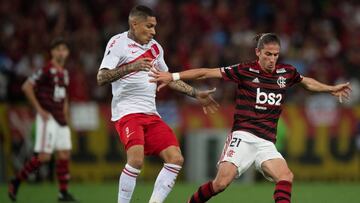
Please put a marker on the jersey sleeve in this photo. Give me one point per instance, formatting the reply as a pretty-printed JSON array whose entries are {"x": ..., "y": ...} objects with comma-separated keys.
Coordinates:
[
  {"x": 231, "y": 73},
  {"x": 112, "y": 54},
  {"x": 161, "y": 61},
  {"x": 296, "y": 78},
  {"x": 37, "y": 76}
]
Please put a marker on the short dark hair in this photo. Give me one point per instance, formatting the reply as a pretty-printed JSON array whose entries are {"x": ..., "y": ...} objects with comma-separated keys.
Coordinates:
[
  {"x": 141, "y": 11},
  {"x": 58, "y": 41},
  {"x": 266, "y": 38}
]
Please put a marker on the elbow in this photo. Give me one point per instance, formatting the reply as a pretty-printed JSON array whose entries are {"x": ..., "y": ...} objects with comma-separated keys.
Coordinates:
[
  {"x": 99, "y": 80},
  {"x": 25, "y": 86}
]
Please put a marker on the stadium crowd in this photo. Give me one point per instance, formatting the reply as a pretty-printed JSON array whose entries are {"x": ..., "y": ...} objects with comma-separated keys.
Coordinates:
[{"x": 321, "y": 38}]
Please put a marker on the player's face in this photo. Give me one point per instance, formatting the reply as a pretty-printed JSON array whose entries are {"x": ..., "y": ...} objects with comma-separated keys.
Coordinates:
[
  {"x": 268, "y": 56},
  {"x": 60, "y": 53},
  {"x": 144, "y": 29}
]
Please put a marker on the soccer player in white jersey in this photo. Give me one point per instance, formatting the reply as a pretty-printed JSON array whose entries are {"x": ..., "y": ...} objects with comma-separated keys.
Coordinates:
[{"x": 127, "y": 59}]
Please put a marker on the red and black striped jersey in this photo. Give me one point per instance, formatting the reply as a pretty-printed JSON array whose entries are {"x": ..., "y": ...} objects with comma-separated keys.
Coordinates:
[
  {"x": 51, "y": 90},
  {"x": 259, "y": 96}
]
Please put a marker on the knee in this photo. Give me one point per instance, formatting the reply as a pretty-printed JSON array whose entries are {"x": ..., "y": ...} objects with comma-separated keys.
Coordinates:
[
  {"x": 136, "y": 162},
  {"x": 177, "y": 159},
  {"x": 220, "y": 184},
  {"x": 288, "y": 176},
  {"x": 43, "y": 157}
]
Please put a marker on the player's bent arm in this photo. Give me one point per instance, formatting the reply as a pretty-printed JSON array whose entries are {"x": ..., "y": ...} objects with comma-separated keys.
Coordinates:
[
  {"x": 183, "y": 87},
  {"x": 200, "y": 74},
  {"x": 108, "y": 75},
  {"x": 28, "y": 89},
  {"x": 315, "y": 86}
]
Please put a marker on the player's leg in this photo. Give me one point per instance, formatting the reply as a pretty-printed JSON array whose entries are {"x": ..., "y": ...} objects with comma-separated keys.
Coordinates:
[
  {"x": 279, "y": 171},
  {"x": 44, "y": 145},
  {"x": 63, "y": 147},
  {"x": 127, "y": 181},
  {"x": 160, "y": 140},
  {"x": 273, "y": 166},
  {"x": 226, "y": 173},
  {"x": 237, "y": 156},
  {"x": 173, "y": 161},
  {"x": 131, "y": 134}
]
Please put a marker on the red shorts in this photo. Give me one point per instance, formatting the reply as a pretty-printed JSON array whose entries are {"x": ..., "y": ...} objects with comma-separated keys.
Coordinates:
[{"x": 147, "y": 130}]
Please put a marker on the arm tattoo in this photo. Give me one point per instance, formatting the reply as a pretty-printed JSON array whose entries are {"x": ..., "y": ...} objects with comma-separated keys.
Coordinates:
[
  {"x": 106, "y": 76},
  {"x": 183, "y": 88}
]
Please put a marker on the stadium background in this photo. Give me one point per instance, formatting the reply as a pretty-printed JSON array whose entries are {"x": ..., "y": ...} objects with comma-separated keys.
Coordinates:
[{"x": 319, "y": 137}]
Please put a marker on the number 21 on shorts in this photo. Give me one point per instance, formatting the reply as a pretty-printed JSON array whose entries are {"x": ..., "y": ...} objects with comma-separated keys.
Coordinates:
[{"x": 235, "y": 142}]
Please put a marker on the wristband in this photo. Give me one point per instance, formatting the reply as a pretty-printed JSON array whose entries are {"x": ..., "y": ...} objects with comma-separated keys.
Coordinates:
[{"x": 175, "y": 76}]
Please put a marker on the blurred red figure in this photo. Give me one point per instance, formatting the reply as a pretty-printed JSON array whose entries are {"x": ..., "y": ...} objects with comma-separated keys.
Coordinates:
[
  {"x": 127, "y": 59},
  {"x": 262, "y": 86},
  {"x": 46, "y": 90}
]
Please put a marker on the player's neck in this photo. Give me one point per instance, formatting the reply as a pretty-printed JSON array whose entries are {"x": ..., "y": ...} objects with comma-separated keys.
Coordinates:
[
  {"x": 57, "y": 64},
  {"x": 132, "y": 36}
]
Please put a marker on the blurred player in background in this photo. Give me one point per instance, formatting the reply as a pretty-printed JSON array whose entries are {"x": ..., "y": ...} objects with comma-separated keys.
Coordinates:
[
  {"x": 127, "y": 59},
  {"x": 46, "y": 89},
  {"x": 262, "y": 85}
]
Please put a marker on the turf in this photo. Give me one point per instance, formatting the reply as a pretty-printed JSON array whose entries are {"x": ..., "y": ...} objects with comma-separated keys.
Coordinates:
[{"x": 249, "y": 193}]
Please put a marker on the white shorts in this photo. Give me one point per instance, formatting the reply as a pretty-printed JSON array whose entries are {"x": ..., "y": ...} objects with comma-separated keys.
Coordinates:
[
  {"x": 243, "y": 149},
  {"x": 51, "y": 136}
]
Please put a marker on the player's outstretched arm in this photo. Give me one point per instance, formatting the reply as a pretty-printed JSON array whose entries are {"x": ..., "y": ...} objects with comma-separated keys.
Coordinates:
[
  {"x": 106, "y": 76},
  {"x": 341, "y": 90},
  {"x": 194, "y": 74}
]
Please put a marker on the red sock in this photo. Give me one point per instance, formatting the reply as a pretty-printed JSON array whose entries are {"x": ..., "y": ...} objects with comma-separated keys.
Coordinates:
[
  {"x": 62, "y": 173},
  {"x": 32, "y": 165},
  {"x": 282, "y": 192},
  {"x": 203, "y": 194}
]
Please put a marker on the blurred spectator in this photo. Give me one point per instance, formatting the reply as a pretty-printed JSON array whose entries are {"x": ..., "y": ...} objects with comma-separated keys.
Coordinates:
[{"x": 320, "y": 37}]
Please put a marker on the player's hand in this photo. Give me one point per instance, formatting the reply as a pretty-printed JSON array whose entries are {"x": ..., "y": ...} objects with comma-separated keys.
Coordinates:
[
  {"x": 44, "y": 114},
  {"x": 207, "y": 101},
  {"x": 143, "y": 64},
  {"x": 164, "y": 78},
  {"x": 341, "y": 91}
]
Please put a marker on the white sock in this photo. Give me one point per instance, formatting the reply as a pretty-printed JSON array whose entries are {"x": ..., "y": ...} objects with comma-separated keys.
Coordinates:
[
  {"x": 127, "y": 183},
  {"x": 164, "y": 182}
]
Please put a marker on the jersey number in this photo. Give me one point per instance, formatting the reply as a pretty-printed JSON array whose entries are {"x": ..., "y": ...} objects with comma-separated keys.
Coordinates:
[{"x": 235, "y": 142}]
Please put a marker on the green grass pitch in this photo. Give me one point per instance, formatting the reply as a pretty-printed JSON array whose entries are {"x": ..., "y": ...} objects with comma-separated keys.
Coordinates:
[{"x": 250, "y": 193}]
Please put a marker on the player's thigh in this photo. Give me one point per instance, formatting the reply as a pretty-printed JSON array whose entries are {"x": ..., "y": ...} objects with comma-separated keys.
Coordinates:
[
  {"x": 63, "y": 140},
  {"x": 172, "y": 154},
  {"x": 269, "y": 161},
  {"x": 130, "y": 130},
  {"x": 45, "y": 135},
  {"x": 158, "y": 137},
  {"x": 238, "y": 150}
]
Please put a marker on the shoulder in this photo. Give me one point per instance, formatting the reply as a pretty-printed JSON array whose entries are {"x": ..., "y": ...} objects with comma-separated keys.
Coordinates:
[
  {"x": 286, "y": 67},
  {"x": 117, "y": 40}
]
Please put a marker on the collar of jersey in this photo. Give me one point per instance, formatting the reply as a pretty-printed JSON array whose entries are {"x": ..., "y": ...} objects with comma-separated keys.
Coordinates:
[
  {"x": 145, "y": 46},
  {"x": 257, "y": 66}
]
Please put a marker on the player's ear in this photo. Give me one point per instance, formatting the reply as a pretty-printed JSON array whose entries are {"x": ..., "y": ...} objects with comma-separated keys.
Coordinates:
[{"x": 257, "y": 52}]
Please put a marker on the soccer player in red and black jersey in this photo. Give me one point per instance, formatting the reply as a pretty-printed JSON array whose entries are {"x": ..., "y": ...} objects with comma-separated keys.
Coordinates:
[
  {"x": 262, "y": 85},
  {"x": 46, "y": 89}
]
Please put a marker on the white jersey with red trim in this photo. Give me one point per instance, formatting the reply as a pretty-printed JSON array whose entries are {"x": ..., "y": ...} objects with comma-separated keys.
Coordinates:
[{"x": 133, "y": 93}]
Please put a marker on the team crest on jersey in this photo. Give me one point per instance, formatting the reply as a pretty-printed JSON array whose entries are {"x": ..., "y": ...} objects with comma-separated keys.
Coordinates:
[
  {"x": 281, "y": 70},
  {"x": 281, "y": 81}
]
